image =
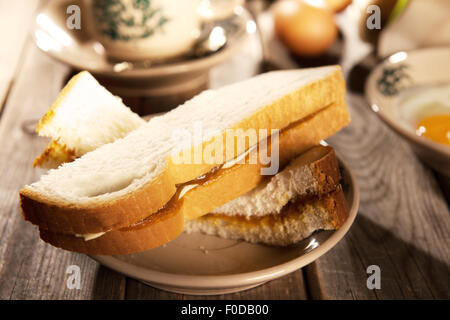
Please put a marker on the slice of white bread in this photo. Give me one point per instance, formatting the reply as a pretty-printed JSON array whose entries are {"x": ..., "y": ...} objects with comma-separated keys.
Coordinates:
[
  {"x": 314, "y": 172},
  {"x": 123, "y": 182},
  {"x": 84, "y": 108},
  {"x": 286, "y": 208},
  {"x": 324, "y": 177},
  {"x": 296, "y": 221}
]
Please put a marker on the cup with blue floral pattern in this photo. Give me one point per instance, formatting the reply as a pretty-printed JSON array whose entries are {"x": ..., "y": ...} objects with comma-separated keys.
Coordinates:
[{"x": 150, "y": 29}]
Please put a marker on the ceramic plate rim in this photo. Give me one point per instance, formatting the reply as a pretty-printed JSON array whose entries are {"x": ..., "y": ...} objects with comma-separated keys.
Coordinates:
[
  {"x": 390, "y": 121},
  {"x": 239, "y": 279}
]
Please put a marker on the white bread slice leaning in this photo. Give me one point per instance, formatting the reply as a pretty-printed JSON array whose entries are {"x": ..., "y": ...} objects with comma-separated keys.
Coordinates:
[
  {"x": 124, "y": 182},
  {"x": 83, "y": 108}
]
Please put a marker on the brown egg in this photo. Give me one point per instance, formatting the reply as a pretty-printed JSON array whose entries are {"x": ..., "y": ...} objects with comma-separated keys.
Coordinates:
[
  {"x": 306, "y": 30},
  {"x": 338, "y": 5}
]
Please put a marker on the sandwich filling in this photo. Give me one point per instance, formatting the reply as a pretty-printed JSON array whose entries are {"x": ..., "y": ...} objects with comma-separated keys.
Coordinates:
[
  {"x": 296, "y": 221},
  {"x": 182, "y": 189},
  {"x": 310, "y": 175}
]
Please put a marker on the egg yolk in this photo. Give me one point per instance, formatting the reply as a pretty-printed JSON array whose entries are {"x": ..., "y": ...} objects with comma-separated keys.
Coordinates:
[{"x": 436, "y": 128}]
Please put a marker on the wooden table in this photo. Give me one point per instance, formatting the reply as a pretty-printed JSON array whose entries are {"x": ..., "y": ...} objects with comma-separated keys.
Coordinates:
[{"x": 403, "y": 225}]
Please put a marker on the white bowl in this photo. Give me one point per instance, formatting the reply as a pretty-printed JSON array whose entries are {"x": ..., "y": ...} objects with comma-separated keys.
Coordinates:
[{"x": 423, "y": 67}]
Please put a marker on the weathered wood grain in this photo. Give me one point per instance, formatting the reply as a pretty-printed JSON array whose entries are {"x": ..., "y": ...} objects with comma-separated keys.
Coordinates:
[
  {"x": 444, "y": 184},
  {"x": 290, "y": 287},
  {"x": 403, "y": 224},
  {"x": 108, "y": 285},
  {"x": 30, "y": 269}
]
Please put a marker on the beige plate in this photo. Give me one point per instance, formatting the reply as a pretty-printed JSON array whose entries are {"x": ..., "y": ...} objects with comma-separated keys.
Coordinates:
[
  {"x": 201, "y": 264},
  {"x": 405, "y": 71}
]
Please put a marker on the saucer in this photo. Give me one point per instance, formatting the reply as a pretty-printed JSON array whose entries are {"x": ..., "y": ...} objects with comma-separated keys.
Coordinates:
[
  {"x": 206, "y": 265},
  {"x": 185, "y": 75}
]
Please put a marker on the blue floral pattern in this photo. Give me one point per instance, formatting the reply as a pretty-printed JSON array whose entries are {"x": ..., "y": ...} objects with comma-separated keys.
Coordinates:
[
  {"x": 114, "y": 20},
  {"x": 390, "y": 82}
]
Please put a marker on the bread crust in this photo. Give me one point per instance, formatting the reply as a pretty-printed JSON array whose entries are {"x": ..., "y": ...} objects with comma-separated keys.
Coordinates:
[
  {"x": 167, "y": 224},
  {"x": 104, "y": 216},
  {"x": 54, "y": 155},
  {"x": 338, "y": 207},
  {"x": 126, "y": 210},
  {"x": 326, "y": 171},
  {"x": 160, "y": 228},
  {"x": 297, "y": 221}
]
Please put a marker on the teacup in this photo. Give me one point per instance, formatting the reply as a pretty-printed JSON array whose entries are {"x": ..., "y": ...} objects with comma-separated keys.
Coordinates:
[{"x": 151, "y": 29}]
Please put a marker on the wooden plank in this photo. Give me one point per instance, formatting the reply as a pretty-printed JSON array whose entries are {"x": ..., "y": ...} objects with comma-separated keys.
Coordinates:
[
  {"x": 108, "y": 284},
  {"x": 29, "y": 268},
  {"x": 290, "y": 287},
  {"x": 17, "y": 17},
  {"x": 444, "y": 184},
  {"x": 403, "y": 224}
]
